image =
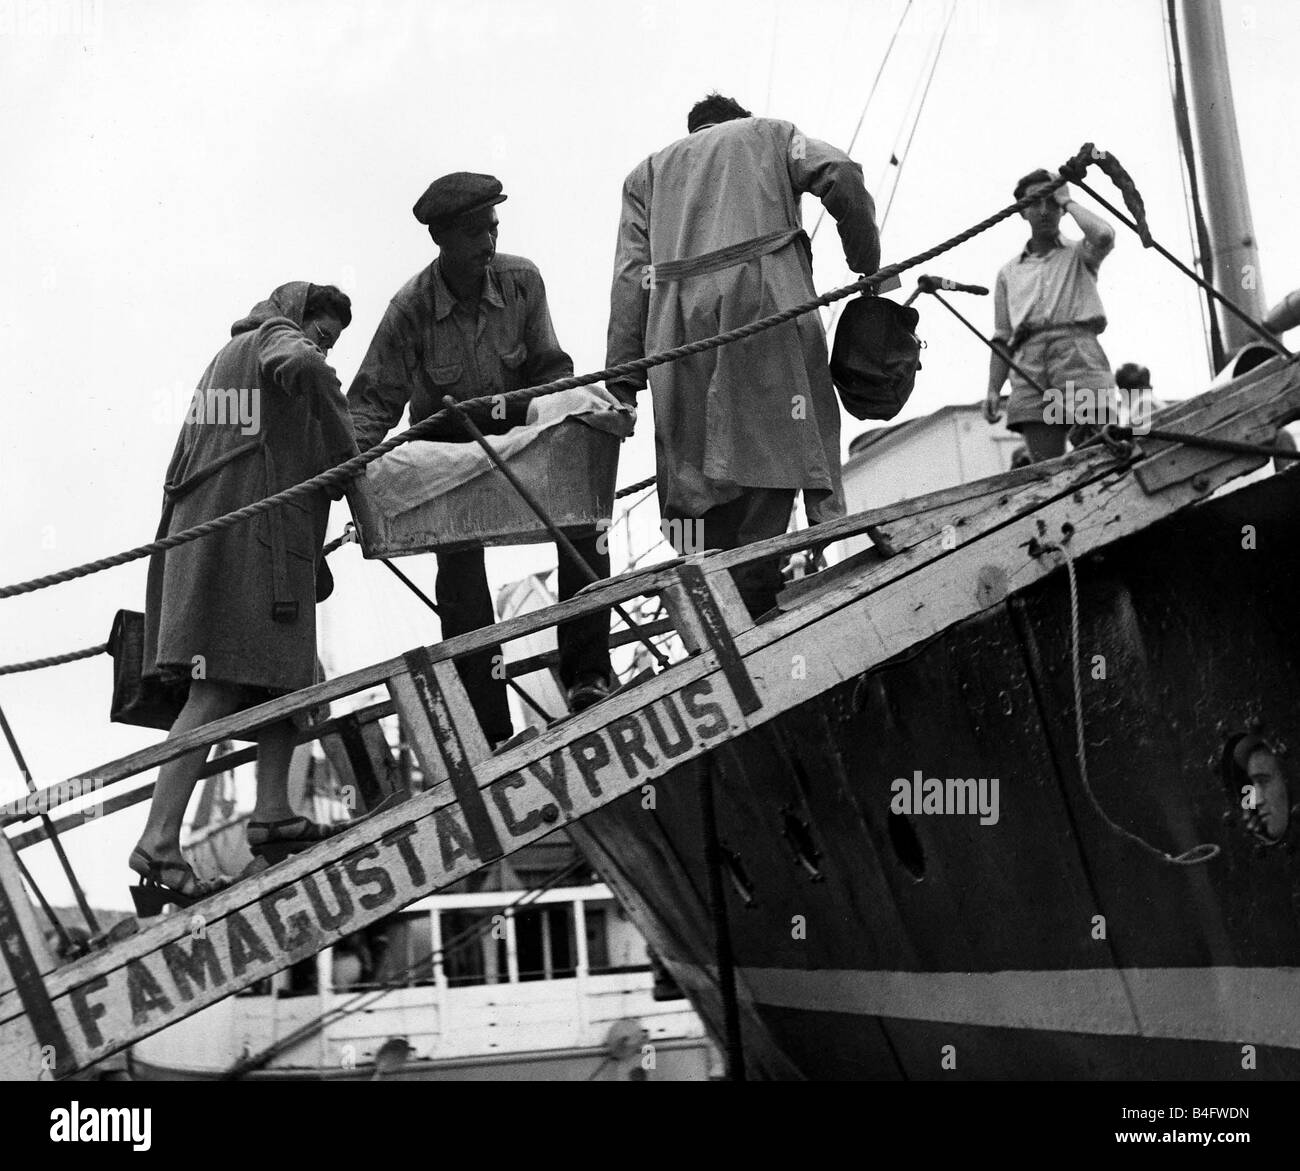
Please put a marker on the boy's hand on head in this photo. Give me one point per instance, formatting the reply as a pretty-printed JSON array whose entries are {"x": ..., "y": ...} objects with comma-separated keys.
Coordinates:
[{"x": 1062, "y": 194}]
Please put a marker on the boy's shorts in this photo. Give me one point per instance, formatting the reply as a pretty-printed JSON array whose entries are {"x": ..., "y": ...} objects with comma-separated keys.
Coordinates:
[{"x": 1058, "y": 358}]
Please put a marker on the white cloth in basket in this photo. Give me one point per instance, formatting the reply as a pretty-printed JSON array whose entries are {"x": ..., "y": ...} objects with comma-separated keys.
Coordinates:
[{"x": 420, "y": 471}]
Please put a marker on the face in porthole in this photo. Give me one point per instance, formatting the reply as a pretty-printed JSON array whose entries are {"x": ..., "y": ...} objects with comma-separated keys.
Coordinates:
[{"x": 1267, "y": 800}]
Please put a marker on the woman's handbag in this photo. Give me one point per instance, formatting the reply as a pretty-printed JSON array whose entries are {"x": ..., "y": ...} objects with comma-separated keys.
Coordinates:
[{"x": 145, "y": 701}]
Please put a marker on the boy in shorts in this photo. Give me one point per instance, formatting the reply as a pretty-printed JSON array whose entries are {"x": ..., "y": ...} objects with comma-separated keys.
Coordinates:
[{"x": 1047, "y": 315}]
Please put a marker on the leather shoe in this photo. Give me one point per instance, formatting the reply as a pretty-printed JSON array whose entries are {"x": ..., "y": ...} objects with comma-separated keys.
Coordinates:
[{"x": 586, "y": 692}]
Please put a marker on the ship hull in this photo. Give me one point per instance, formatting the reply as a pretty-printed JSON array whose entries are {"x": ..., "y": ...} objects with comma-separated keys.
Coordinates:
[{"x": 1051, "y": 937}]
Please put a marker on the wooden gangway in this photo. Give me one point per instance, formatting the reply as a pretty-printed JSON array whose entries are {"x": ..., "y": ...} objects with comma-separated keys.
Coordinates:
[{"x": 933, "y": 561}]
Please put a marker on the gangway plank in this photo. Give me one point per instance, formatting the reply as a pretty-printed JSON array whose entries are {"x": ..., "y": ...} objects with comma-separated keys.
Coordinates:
[{"x": 738, "y": 677}]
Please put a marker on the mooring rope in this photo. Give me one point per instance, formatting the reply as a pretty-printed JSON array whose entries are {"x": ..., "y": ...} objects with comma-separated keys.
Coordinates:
[
  {"x": 1197, "y": 854},
  {"x": 1071, "y": 171}
]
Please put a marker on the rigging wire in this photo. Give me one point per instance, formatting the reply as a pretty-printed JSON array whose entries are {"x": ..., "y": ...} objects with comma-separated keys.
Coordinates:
[
  {"x": 897, "y": 159},
  {"x": 870, "y": 94},
  {"x": 1232, "y": 307},
  {"x": 906, "y": 116},
  {"x": 835, "y": 59},
  {"x": 916, "y": 122}
]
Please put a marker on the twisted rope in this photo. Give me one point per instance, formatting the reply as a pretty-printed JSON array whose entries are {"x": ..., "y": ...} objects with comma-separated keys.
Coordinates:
[
  {"x": 1198, "y": 854},
  {"x": 91, "y": 651},
  {"x": 54, "y": 660},
  {"x": 648, "y": 482},
  {"x": 341, "y": 474}
]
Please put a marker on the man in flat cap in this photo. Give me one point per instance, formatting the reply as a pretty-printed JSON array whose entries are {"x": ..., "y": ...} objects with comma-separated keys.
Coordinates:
[{"x": 475, "y": 323}]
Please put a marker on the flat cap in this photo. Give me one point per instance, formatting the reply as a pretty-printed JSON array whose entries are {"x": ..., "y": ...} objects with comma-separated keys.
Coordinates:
[{"x": 456, "y": 195}]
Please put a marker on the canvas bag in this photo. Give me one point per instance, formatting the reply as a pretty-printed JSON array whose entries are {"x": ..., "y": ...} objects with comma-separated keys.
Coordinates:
[{"x": 875, "y": 357}]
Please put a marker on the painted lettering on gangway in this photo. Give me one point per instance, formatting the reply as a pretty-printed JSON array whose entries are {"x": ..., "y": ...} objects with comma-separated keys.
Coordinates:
[{"x": 290, "y": 923}]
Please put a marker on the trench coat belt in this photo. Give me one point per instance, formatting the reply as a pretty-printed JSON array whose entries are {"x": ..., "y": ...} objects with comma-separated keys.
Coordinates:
[
  {"x": 732, "y": 254},
  {"x": 187, "y": 485},
  {"x": 284, "y": 606}
]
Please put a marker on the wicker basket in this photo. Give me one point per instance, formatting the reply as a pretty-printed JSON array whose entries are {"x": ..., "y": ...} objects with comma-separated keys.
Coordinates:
[{"x": 571, "y": 469}]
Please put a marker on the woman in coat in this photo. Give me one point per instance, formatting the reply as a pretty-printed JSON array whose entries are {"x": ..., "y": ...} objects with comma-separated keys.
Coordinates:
[{"x": 233, "y": 614}]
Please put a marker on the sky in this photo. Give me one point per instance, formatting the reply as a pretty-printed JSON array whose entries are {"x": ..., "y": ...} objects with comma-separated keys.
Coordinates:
[{"x": 169, "y": 163}]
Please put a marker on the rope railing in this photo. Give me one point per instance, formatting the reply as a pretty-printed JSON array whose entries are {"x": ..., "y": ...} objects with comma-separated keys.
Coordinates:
[
  {"x": 336, "y": 477},
  {"x": 632, "y": 489},
  {"x": 345, "y": 538},
  {"x": 54, "y": 660}
]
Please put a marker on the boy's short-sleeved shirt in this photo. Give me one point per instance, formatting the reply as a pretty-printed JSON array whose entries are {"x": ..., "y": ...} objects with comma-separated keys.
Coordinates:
[{"x": 1057, "y": 288}]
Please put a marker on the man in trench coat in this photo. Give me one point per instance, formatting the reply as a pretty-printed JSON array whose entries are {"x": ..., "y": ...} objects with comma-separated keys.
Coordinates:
[{"x": 710, "y": 238}]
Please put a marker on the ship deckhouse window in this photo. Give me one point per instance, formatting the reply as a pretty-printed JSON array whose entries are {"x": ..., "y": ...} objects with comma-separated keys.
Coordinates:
[
  {"x": 613, "y": 943},
  {"x": 396, "y": 952},
  {"x": 544, "y": 939},
  {"x": 407, "y": 956},
  {"x": 471, "y": 954}
]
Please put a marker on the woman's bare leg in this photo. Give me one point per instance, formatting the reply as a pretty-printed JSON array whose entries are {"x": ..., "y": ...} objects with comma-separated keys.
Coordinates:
[
  {"x": 274, "y": 752},
  {"x": 161, "y": 839}
]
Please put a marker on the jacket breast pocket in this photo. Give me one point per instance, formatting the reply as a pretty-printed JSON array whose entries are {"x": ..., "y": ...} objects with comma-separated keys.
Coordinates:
[{"x": 446, "y": 375}]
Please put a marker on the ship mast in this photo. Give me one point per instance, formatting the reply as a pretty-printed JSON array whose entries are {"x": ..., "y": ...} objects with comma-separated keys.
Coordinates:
[{"x": 1232, "y": 263}]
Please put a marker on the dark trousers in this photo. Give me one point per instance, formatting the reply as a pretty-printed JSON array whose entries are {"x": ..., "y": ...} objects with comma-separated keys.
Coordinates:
[
  {"x": 755, "y": 515},
  {"x": 465, "y": 604}
]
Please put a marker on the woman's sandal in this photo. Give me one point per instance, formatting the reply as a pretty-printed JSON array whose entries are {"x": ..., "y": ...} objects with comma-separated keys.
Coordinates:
[
  {"x": 274, "y": 841},
  {"x": 152, "y": 894}
]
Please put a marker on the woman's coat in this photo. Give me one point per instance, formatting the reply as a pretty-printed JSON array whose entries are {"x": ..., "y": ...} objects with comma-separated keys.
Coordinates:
[{"x": 239, "y": 606}]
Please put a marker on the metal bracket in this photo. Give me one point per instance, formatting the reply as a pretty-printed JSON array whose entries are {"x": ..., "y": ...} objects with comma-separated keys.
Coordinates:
[{"x": 1177, "y": 464}]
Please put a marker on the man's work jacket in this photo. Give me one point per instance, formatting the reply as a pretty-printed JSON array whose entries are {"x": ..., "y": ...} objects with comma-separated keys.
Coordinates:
[{"x": 429, "y": 345}]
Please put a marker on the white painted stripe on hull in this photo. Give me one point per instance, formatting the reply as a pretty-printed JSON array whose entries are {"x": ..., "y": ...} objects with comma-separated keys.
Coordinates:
[{"x": 1256, "y": 1005}]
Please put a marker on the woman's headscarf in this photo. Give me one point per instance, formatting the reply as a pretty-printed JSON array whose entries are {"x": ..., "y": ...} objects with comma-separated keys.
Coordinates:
[{"x": 289, "y": 300}]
